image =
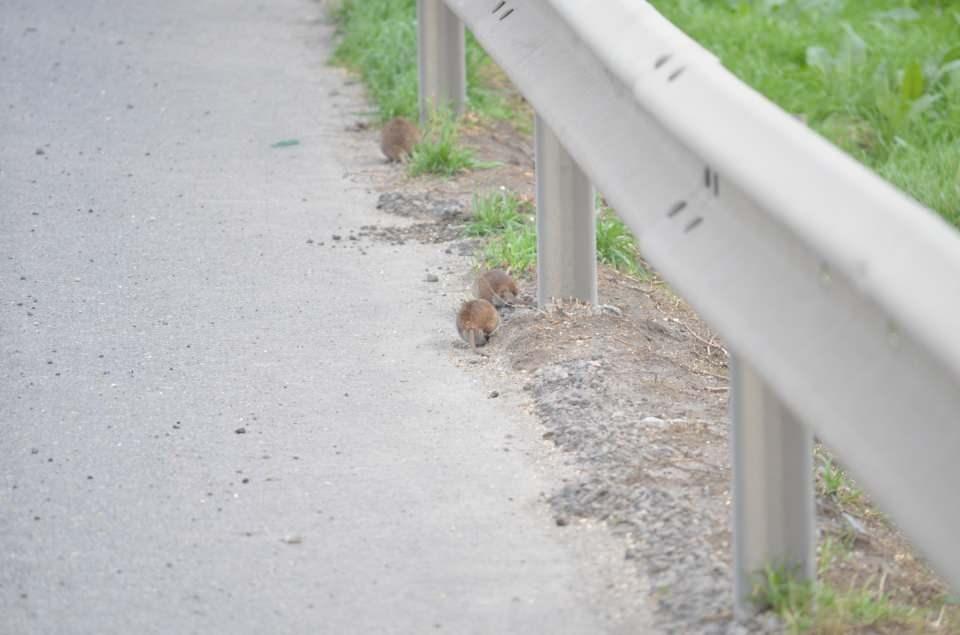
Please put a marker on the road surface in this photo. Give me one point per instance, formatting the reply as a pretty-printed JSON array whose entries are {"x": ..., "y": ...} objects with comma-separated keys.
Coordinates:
[{"x": 209, "y": 424}]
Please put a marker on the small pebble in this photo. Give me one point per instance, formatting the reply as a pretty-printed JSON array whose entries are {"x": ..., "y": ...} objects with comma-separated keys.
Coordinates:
[
  {"x": 293, "y": 539},
  {"x": 336, "y": 236},
  {"x": 240, "y": 431},
  {"x": 430, "y": 277},
  {"x": 493, "y": 394}
]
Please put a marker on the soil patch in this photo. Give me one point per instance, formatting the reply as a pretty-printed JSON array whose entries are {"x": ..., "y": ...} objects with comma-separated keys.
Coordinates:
[{"x": 637, "y": 397}]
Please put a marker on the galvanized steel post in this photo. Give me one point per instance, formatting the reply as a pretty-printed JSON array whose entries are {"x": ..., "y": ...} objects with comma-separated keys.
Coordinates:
[
  {"x": 441, "y": 58},
  {"x": 774, "y": 521},
  {"x": 566, "y": 223}
]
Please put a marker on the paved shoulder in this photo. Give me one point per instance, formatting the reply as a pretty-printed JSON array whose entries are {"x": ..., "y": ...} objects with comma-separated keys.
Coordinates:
[{"x": 212, "y": 423}]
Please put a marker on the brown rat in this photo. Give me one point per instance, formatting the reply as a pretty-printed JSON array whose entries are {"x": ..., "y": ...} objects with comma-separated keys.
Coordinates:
[
  {"x": 497, "y": 287},
  {"x": 476, "y": 322},
  {"x": 398, "y": 138}
]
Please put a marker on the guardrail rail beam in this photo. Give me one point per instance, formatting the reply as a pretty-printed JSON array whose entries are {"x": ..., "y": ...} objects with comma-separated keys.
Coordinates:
[{"x": 840, "y": 290}]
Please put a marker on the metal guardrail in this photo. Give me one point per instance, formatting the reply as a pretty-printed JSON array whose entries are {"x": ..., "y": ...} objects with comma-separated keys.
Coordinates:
[{"x": 839, "y": 294}]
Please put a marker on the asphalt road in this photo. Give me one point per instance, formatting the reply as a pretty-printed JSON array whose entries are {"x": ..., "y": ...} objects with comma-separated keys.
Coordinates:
[{"x": 209, "y": 424}]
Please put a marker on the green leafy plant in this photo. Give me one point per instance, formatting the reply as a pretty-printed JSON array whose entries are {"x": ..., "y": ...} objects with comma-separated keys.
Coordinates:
[
  {"x": 903, "y": 98},
  {"x": 850, "y": 56}
]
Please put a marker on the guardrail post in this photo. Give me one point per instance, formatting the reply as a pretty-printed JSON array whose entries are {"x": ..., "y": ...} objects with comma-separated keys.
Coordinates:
[
  {"x": 566, "y": 223},
  {"x": 441, "y": 58},
  {"x": 774, "y": 521}
]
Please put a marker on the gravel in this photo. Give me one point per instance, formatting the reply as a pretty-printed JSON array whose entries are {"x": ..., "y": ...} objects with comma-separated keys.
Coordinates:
[
  {"x": 647, "y": 487},
  {"x": 420, "y": 205}
]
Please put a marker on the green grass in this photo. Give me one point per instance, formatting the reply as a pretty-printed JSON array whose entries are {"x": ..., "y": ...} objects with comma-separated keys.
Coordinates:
[
  {"x": 820, "y": 608},
  {"x": 508, "y": 224},
  {"x": 835, "y": 483},
  {"x": 880, "y": 79},
  {"x": 496, "y": 212},
  {"x": 439, "y": 151},
  {"x": 616, "y": 245},
  {"x": 829, "y": 553},
  {"x": 378, "y": 39},
  {"x": 514, "y": 249}
]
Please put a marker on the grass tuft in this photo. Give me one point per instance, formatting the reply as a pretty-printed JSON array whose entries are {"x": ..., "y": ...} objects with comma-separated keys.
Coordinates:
[
  {"x": 514, "y": 249},
  {"x": 616, "y": 245},
  {"x": 508, "y": 222},
  {"x": 439, "y": 151},
  {"x": 817, "y": 607},
  {"x": 496, "y": 212},
  {"x": 833, "y": 481}
]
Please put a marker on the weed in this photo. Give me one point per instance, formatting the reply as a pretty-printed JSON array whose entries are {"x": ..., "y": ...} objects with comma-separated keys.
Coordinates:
[
  {"x": 508, "y": 221},
  {"x": 439, "y": 151},
  {"x": 514, "y": 250},
  {"x": 829, "y": 552},
  {"x": 616, "y": 246},
  {"x": 496, "y": 212},
  {"x": 779, "y": 590},
  {"x": 835, "y": 483},
  {"x": 832, "y": 477},
  {"x": 810, "y": 606}
]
